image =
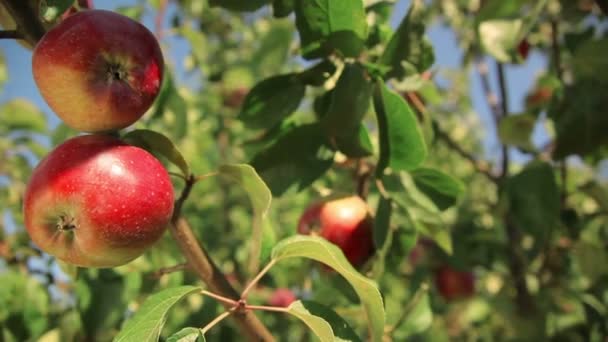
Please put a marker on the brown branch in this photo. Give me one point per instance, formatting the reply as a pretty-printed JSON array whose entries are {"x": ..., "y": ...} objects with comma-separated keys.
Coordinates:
[
  {"x": 603, "y": 5},
  {"x": 504, "y": 112},
  {"x": 167, "y": 270},
  {"x": 158, "y": 19},
  {"x": 557, "y": 65},
  {"x": 205, "y": 268},
  {"x": 26, "y": 18},
  {"x": 482, "y": 70}
]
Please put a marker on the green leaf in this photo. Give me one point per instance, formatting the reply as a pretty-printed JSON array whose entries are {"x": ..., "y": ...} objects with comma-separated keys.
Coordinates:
[
  {"x": 148, "y": 321},
  {"x": 321, "y": 250},
  {"x": 382, "y": 221},
  {"x": 495, "y": 9},
  {"x": 598, "y": 192},
  {"x": 272, "y": 100},
  {"x": 283, "y": 8},
  {"x": 408, "y": 46},
  {"x": 516, "y": 130},
  {"x": 318, "y": 74},
  {"x": 441, "y": 188},
  {"x": 580, "y": 120},
  {"x": 326, "y": 26},
  {"x": 260, "y": 198},
  {"x": 273, "y": 48},
  {"x": 296, "y": 159},
  {"x": 50, "y": 10},
  {"x": 323, "y": 321},
  {"x": 356, "y": 146},
  {"x": 349, "y": 102},
  {"x": 158, "y": 143},
  {"x": 187, "y": 335},
  {"x": 240, "y": 5},
  {"x": 402, "y": 146},
  {"x": 534, "y": 199},
  {"x": 20, "y": 114}
]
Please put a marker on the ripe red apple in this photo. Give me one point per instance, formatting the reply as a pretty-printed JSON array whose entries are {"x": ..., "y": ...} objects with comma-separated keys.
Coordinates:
[
  {"x": 453, "y": 284},
  {"x": 95, "y": 201},
  {"x": 98, "y": 70},
  {"x": 345, "y": 222},
  {"x": 282, "y": 297},
  {"x": 523, "y": 49}
]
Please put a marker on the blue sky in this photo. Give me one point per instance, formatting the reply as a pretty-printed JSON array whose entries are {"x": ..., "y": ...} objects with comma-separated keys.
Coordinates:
[{"x": 519, "y": 77}]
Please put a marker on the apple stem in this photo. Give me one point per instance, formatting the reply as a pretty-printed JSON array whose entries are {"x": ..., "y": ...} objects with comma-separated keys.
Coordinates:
[{"x": 257, "y": 278}]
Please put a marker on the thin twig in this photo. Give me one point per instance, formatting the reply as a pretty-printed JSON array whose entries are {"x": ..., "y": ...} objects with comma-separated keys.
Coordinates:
[
  {"x": 27, "y": 20},
  {"x": 257, "y": 278},
  {"x": 215, "y": 321},
  {"x": 167, "y": 270},
  {"x": 407, "y": 311},
  {"x": 482, "y": 70},
  {"x": 158, "y": 20},
  {"x": 557, "y": 65},
  {"x": 10, "y": 34},
  {"x": 504, "y": 112},
  {"x": 479, "y": 165}
]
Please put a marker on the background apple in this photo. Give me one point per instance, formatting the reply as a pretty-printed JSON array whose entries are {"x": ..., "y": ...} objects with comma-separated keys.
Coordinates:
[
  {"x": 345, "y": 222},
  {"x": 282, "y": 297},
  {"x": 453, "y": 284},
  {"x": 95, "y": 201},
  {"x": 98, "y": 70}
]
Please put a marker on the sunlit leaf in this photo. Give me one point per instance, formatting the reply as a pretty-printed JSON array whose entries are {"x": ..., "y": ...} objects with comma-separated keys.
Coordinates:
[
  {"x": 319, "y": 249},
  {"x": 158, "y": 143},
  {"x": 323, "y": 321},
  {"x": 148, "y": 321}
]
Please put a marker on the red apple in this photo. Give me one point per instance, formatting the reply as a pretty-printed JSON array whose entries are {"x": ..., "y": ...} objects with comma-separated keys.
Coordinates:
[
  {"x": 234, "y": 98},
  {"x": 345, "y": 222},
  {"x": 453, "y": 284},
  {"x": 523, "y": 49},
  {"x": 98, "y": 70},
  {"x": 95, "y": 201},
  {"x": 282, "y": 297}
]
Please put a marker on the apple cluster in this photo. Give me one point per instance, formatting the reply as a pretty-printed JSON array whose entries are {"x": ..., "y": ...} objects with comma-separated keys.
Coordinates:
[{"x": 96, "y": 201}]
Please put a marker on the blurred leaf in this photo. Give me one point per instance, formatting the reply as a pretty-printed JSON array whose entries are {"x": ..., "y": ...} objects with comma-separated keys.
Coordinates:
[
  {"x": 62, "y": 133},
  {"x": 3, "y": 71},
  {"x": 283, "y": 8},
  {"x": 382, "y": 221},
  {"x": 441, "y": 188},
  {"x": 499, "y": 37},
  {"x": 273, "y": 49},
  {"x": 499, "y": 9},
  {"x": 349, "y": 102},
  {"x": 158, "y": 143},
  {"x": 319, "y": 249},
  {"x": 169, "y": 99},
  {"x": 516, "y": 130},
  {"x": 534, "y": 199},
  {"x": 146, "y": 324},
  {"x": 588, "y": 62},
  {"x": 418, "y": 315},
  {"x": 20, "y": 114},
  {"x": 260, "y": 198},
  {"x": 272, "y": 100},
  {"x": 133, "y": 12},
  {"x": 408, "y": 45},
  {"x": 198, "y": 42},
  {"x": 329, "y": 25},
  {"x": 402, "y": 146},
  {"x": 297, "y": 158},
  {"x": 187, "y": 335},
  {"x": 598, "y": 192},
  {"x": 240, "y": 5},
  {"x": 579, "y": 118},
  {"x": 50, "y": 10},
  {"x": 323, "y": 321}
]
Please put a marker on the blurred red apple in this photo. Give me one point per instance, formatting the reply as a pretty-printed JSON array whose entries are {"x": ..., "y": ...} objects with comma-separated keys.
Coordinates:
[
  {"x": 453, "y": 284},
  {"x": 95, "y": 201},
  {"x": 345, "y": 222},
  {"x": 234, "y": 98},
  {"x": 282, "y": 297},
  {"x": 523, "y": 49},
  {"x": 98, "y": 70}
]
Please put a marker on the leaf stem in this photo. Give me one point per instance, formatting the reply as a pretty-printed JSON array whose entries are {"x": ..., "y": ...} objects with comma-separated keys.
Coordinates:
[
  {"x": 257, "y": 278},
  {"x": 409, "y": 307},
  {"x": 219, "y": 298},
  {"x": 266, "y": 308}
]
